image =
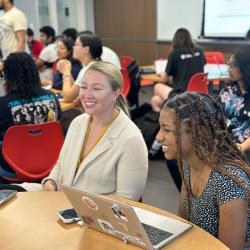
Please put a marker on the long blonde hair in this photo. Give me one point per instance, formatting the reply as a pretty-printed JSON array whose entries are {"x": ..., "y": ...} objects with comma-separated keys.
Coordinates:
[{"x": 115, "y": 79}]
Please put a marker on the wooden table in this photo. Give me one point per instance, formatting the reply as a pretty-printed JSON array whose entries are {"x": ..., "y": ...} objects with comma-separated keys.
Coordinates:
[{"x": 29, "y": 221}]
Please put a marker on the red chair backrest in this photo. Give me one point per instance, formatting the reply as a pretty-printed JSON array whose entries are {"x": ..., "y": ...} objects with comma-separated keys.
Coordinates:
[
  {"x": 199, "y": 83},
  {"x": 32, "y": 150},
  {"x": 214, "y": 57},
  {"x": 126, "y": 82},
  {"x": 125, "y": 60}
]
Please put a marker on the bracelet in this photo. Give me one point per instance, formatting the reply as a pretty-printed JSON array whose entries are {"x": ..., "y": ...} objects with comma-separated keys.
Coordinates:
[{"x": 66, "y": 76}]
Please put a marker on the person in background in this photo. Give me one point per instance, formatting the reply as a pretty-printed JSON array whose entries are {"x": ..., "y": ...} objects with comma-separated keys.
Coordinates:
[
  {"x": 65, "y": 51},
  {"x": 87, "y": 49},
  {"x": 108, "y": 55},
  {"x": 248, "y": 35},
  {"x": 25, "y": 102},
  {"x": 110, "y": 155},
  {"x": 235, "y": 98},
  {"x": 48, "y": 55},
  {"x": 13, "y": 26},
  {"x": 70, "y": 33},
  {"x": 184, "y": 60},
  {"x": 216, "y": 185},
  {"x": 35, "y": 46}
]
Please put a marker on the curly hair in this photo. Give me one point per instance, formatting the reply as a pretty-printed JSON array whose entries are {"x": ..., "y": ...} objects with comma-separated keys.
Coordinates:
[
  {"x": 210, "y": 140},
  {"x": 21, "y": 75}
]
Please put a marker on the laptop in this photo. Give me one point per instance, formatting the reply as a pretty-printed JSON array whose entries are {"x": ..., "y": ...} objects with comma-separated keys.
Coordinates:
[{"x": 134, "y": 225}]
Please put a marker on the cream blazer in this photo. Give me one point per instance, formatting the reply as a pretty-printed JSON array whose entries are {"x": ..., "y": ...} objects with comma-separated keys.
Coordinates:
[{"x": 117, "y": 166}]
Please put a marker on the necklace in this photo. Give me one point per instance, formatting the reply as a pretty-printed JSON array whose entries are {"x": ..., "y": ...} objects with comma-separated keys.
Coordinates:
[{"x": 82, "y": 155}]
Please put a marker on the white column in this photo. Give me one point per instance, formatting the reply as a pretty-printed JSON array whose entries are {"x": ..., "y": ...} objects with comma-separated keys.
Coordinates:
[{"x": 53, "y": 14}]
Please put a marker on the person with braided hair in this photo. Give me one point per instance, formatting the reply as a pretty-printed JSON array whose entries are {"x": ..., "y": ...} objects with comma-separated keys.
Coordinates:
[{"x": 215, "y": 174}]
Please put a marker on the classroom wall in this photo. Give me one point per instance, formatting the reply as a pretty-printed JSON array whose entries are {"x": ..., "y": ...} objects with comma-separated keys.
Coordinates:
[
  {"x": 43, "y": 12},
  {"x": 131, "y": 27}
]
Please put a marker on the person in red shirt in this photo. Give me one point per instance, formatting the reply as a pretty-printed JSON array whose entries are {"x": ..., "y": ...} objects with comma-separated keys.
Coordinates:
[{"x": 35, "y": 46}]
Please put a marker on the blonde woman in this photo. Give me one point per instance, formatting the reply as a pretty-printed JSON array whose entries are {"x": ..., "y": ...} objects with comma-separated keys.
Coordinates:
[{"x": 104, "y": 152}]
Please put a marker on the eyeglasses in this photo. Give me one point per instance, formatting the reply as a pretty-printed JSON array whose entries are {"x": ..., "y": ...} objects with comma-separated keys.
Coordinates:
[{"x": 231, "y": 64}]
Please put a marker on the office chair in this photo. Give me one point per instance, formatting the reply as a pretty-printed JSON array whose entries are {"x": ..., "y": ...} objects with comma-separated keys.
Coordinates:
[
  {"x": 32, "y": 150},
  {"x": 126, "y": 82},
  {"x": 199, "y": 83},
  {"x": 214, "y": 57},
  {"x": 125, "y": 60}
]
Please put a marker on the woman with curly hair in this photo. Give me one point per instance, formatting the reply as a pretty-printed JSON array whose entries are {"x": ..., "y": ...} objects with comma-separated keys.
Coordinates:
[
  {"x": 235, "y": 98},
  {"x": 215, "y": 175},
  {"x": 23, "y": 89}
]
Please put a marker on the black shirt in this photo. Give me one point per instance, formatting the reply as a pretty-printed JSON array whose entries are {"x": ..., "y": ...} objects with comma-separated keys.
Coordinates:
[
  {"x": 17, "y": 110},
  {"x": 182, "y": 65}
]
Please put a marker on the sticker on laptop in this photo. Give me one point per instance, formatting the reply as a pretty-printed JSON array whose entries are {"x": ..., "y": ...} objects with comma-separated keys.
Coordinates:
[
  {"x": 128, "y": 238},
  {"x": 87, "y": 219},
  {"x": 119, "y": 214},
  {"x": 89, "y": 203},
  {"x": 123, "y": 226},
  {"x": 106, "y": 226}
]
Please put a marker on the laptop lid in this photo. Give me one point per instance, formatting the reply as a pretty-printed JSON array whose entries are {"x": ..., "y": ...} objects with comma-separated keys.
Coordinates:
[{"x": 120, "y": 220}]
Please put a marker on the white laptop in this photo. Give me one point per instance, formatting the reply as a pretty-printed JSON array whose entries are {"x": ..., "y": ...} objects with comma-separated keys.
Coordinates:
[
  {"x": 216, "y": 71},
  {"x": 134, "y": 225}
]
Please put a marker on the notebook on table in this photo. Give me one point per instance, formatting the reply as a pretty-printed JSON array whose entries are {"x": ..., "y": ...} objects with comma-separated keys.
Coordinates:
[{"x": 137, "y": 226}]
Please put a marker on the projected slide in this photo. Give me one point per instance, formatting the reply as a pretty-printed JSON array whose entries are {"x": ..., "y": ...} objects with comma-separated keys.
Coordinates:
[{"x": 226, "y": 18}]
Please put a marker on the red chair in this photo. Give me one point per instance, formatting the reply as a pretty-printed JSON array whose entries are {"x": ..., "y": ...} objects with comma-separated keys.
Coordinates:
[
  {"x": 125, "y": 60},
  {"x": 199, "y": 83},
  {"x": 126, "y": 82},
  {"x": 32, "y": 150},
  {"x": 214, "y": 57}
]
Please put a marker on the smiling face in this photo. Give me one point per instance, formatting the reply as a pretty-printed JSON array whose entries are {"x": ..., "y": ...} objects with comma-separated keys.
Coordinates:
[
  {"x": 96, "y": 94},
  {"x": 167, "y": 136}
]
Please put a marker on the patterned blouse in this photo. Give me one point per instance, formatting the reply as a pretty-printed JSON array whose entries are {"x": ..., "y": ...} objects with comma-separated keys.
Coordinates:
[
  {"x": 219, "y": 189},
  {"x": 236, "y": 108}
]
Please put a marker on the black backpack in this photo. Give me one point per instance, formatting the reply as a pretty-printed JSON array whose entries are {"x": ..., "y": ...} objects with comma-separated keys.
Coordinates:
[
  {"x": 147, "y": 121},
  {"x": 135, "y": 80}
]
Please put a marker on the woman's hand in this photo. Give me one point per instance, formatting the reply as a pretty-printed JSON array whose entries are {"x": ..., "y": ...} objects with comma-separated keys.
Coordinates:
[
  {"x": 64, "y": 67},
  {"x": 49, "y": 185}
]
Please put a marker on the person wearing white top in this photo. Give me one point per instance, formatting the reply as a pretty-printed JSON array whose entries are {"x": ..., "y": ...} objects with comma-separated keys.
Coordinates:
[
  {"x": 87, "y": 49},
  {"x": 48, "y": 55},
  {"x": 13, "y": 26}
]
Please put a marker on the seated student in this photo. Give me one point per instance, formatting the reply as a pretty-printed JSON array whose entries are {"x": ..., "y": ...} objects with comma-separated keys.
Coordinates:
[
  {"x": 216, "y": 186},
  {"x": 65, "y": 51},
  {"x": 104, "y": 152},
  {"x": 48, "y": 55},
  {"x": 108, "y": 55},
  {"x": 87, "y": 49},
  {"x": 184, "y": 61},
  {"x": 70, "y": 33},
  {"x": 35, "y": 46},
  {"x": 25, "y": 101},
  {"x": 235, "y": 98}
]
